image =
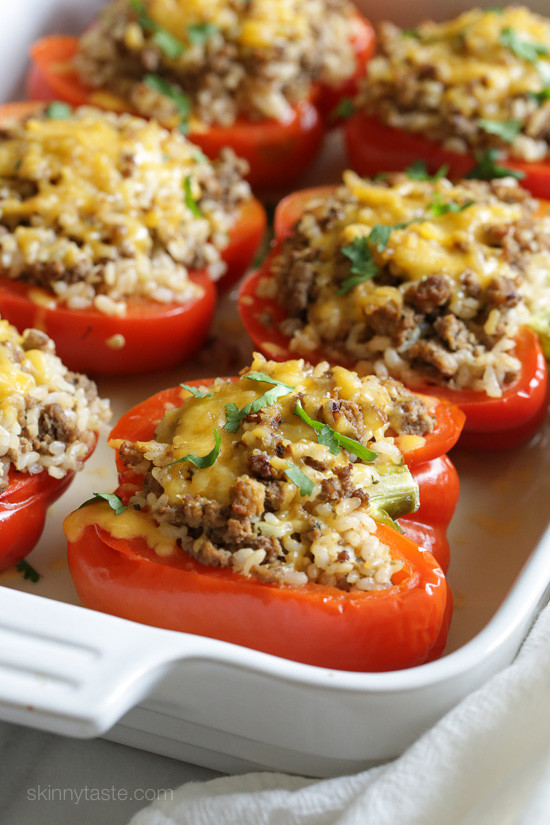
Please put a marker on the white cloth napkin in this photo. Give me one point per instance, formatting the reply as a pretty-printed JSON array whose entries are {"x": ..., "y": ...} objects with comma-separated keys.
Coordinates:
[{"x": 486, "y": 763}]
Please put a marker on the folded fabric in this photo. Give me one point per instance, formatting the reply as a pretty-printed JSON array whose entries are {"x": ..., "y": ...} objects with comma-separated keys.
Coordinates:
[{"x": 487, "y": 762}]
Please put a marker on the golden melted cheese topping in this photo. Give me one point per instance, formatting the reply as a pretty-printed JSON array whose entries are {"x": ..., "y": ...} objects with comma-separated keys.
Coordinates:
[
  {"x": 255, "y": 25},
  {"x": 48, "y": 415},
  {"x": 190, "y": 430},
  {"x": 460, "y": 80},
  {"x": 282, "y": 473},
  {"x": 97, "y": 178},
  {"x": 438, "y": 228},
  {"x": 472, "y": 48},
  {"x": 13, "y": 378}
]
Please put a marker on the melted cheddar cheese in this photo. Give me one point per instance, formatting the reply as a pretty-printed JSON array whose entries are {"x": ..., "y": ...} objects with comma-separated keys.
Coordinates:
[{"x": 281, "y": 474}]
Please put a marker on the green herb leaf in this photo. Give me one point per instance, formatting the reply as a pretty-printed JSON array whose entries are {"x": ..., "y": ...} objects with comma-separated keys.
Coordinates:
[
  {"x": 303, "y": 482},
  {"x": 439, "y": 207},
  {"x": 199, "y": 156},
  {"x": 196, "y": 392},
  {"x": 181, "y": 101},
  {"x": 506, "y": 130},
  {"x": 327, "y": 437},
  {"x": 199, "y": 33},
  {"x": 202, "y": 461},
  {"x": 414, "y": 33},
  {"x": 167, "y": 43},
  {"x": 234, "y": 415},
  {"x": 28, "y": 570},
  {"x": 418, "y": 171},
  {"x": 379, "y": 235},
  {"x": 114, "y": 501},
  {"x": 524, "y": 49},
  {"x": 487, "y": 167},
  {"x": 143, "y": 18},
  {"x": 56, "y": 110},
  {"x": 544, "y": 71},
  {"x": 190, "y": 201},
  {"x": 344, "y": 110},
  {"x": 363, "y": 265},
  {"x": 268, "y": 379},
  {"x": 349, "y": 444},
  {"x": 540, "y": 97}
]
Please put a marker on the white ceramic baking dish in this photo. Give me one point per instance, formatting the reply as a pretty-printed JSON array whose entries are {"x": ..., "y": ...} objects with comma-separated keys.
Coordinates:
[{"x": 76, "y": 672}]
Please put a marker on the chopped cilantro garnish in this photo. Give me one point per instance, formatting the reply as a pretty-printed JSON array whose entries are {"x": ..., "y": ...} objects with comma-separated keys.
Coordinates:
[
  {"x": 544, "y": 71},
  {"x": 167, "y": 43},
  {"x": 487, "y": 167},
  {"x": 363, "y": 265},
  {"x": 268, "y": 379},
  {"x": 540, "y": 97},
  {"x": 528, "y": 50},
  {"x": 506, "y": 130},
  {"x": 234, "y": 415},
  {"x": 202, "y": 461},
  {"x": 196, "y": 392},
  {"x": 56, "y": 110},
  {"x": 335, "y": 440},
  {"x": 190, "y": 201},
  {"x": 199, "y": 33},
  {"x": 305, "y": 484},
  {"x": 344, "y": 110},
  {"x": 182, "y": 102},
  {"x": 439, "y": 207},
  {"x": 379, "y": 235},
  {"x": 199, "y": 156},
  {"x": 114, "y": 501},
  {"x": 28, "y": 570},
  {"x": 418, "y": 171}
]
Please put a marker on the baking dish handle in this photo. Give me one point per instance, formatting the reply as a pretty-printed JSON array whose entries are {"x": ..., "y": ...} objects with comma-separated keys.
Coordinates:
[{"x": 74, "y": 671}]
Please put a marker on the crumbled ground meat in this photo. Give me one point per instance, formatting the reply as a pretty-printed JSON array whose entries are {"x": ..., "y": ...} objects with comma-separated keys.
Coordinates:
[
  {"x": 261, "y": 505},
  {"x": 248, "y": 497},
  {"x": 430, "y": 294},
  {"x": 444, "y": 325}
]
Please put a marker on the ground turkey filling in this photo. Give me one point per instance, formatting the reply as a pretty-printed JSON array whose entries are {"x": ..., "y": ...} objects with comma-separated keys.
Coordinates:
[
  {"x": 186, "y": 60},
  {"x": 49, "y": 416},
  {"x": 280, "y": 501},
  {"x": 475, "y": 83},
  {"x": 101, "y": 208},
  {"x": 414, "y": 277}
]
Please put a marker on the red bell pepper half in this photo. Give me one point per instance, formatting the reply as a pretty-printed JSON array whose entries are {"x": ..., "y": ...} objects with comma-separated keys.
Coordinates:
[
  {"x": 396, "y": 628},
  {"x": 277, "y": 152},
  {"x": 491, "y": 423},
  {"x": 374, "y": 147},
  {"x": 150, "y": 335},
  {"x": 23, "y": 507}
]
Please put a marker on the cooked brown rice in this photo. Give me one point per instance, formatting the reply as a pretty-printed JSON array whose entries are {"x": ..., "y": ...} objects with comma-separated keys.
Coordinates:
[
  {"x": 100, "y": 208},
  {"x": 49, "y": 416},
  {"x": 229, "y": 57},
  {"x": 450, "y": 272},
  {"x": 277, "y": 502},
  {"x": 473, "y": 83}
]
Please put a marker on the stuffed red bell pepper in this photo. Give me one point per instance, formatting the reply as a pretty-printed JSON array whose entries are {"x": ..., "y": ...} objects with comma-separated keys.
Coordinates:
[
  {"x": 113, "y": 231},
  {"x": 260, "y": 77},
  {"x": 263, "y": 511},
  {"x": 49, "y": 423},
  {"x": 471, "y": 93},
  {"x": 413, "y": 276}
]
